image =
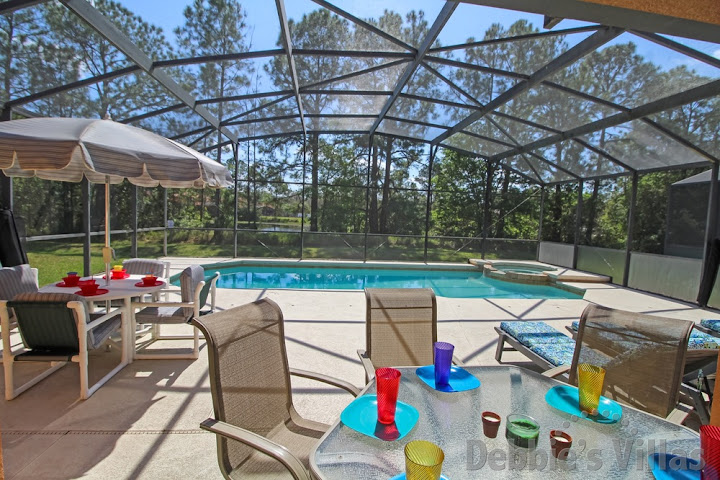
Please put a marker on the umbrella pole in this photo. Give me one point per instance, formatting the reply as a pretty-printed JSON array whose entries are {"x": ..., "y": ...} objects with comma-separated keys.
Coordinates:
[{"x": 107, "y": 251}]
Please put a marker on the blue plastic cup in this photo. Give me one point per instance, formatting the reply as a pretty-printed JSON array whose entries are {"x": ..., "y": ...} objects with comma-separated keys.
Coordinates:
[{"x": 443, "y": 360}]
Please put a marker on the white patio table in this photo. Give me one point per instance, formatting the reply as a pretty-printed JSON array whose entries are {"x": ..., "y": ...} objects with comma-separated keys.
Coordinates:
[{"x": 124, "y": 290}]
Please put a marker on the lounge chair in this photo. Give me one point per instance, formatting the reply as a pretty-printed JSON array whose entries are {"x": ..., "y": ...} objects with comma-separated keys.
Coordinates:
[
  {"x": 194, "y": 292},
  {"x": 259, "y": 432},
  {"x": 55, "y": 328},
  {"x": 400, "y": 328},
  {"x": 544, "y": 345},
  {"x": 643, "y": 357}
]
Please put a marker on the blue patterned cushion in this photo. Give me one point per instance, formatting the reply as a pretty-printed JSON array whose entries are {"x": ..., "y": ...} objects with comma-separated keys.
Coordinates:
[
  {"x": 575, "y": 325},
  {"x": 560, "y": 353},
  {"x": 713, "y": 325},
  {"x": 542, "y": 339},
  {"x": 533, "y": 333},
  {"x": 699, "y": 340}
]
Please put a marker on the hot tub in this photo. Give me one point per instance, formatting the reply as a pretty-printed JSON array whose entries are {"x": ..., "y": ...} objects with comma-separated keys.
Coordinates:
[{"x": 518, "y": 272}]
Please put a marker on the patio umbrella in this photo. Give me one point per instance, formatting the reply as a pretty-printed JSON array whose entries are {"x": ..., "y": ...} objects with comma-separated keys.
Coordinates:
[{"x": 103, "y": 151}]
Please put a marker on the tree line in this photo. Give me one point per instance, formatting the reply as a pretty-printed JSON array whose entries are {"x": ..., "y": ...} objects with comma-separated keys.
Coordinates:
[{"x": 337, "y": 181}]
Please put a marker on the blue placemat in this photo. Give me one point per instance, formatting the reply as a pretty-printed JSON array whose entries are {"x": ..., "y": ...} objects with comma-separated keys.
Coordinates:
[
  {"x": 401, "y": 476},
  {"x": 565, "y": 398},
  {"x": 666, "y": 466},
  {"x": 361, "y": 416},
  {"x": 460, "y": 379}
]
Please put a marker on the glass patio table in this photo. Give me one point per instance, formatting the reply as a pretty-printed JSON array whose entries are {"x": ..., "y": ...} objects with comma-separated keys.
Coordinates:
[{"x": 452, "y": 421}]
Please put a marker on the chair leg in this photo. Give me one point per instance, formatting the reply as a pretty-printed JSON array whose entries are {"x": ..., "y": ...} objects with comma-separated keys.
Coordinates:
[
  {"x": 500, "y": 347},
  {"x": 193, "y": 355},
  {"x": 82, "y": 360},
  {"x": 12, "y": 392}
]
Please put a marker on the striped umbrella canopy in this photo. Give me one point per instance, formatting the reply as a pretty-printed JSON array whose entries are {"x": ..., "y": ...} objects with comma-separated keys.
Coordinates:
[{"x": 103, "y": 151}]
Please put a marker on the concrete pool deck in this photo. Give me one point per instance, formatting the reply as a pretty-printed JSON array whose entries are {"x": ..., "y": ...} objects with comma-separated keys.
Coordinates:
[{"x": 144, "y": 422}]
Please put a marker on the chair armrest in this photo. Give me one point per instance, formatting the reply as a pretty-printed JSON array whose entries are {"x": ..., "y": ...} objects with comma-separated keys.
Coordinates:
[
  {"x": 258, "y": 442},
  {"x": 557, "y": 371},
  {"x": 101, "y": 318},
  {"x": 679, "y": 414},
  {"x": 348, "y": 387},
  {"x": 367, "y": 365},
  {"x": 161, "y": 304}
]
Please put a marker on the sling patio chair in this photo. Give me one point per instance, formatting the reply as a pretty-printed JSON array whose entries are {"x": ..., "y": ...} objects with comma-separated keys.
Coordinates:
[
  {"x": 643, "y": 357},
  {"x": 142, "y": 266},
  {"x": 16, "y": 280},
  {"x": 400, "y": 328},
  {"x": 194, "y": 292},
  {"x": 55, "y": 328},
  {"x": 259, "y": 432}
]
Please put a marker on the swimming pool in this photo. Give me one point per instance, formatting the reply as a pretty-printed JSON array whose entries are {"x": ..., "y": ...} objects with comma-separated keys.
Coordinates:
[{"x": 462, "y": 283}]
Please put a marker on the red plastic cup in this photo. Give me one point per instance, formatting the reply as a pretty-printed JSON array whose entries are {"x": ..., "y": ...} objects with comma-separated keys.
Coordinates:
[
  {"x": 118, "y": 274},
  {"x": 387, "y": 382},
  {"x": 710, "y": 451},
  {"x": 71, "y": 280},
  {"x": 88, "y": 287},
  {"x": 149, "y": 280}
]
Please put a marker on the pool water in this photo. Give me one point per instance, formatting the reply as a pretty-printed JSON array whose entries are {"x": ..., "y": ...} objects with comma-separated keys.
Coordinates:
[{"x": 445, "y": 283}]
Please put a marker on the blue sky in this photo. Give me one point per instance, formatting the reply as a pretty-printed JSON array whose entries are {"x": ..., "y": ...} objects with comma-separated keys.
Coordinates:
[{"x": 468, "y": 20}]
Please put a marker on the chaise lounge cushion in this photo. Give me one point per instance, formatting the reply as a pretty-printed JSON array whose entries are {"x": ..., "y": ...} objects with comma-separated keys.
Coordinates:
[
  {"x": 711, "y": 324},
  {"x": 542, "y": 339}
]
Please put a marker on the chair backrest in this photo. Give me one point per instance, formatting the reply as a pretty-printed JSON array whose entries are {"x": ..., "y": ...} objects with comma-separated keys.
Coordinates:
[
  {"x": 206, "y": 288},
  {"x": 249, "y": 374},
  {"x": 15, "y": 280},
  {"x": 643, "y": 356},
  {"x": 142, "y": 266},
  {"x": 401, "y": 326},
  {"x": 47, "y": 324},
  {"x": 189, "y": 280}
]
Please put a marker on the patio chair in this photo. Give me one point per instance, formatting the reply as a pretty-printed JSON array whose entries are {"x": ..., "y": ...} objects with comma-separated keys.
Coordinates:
[
  {"x": 400, "y": 328},
  {"x": 55, "y": 328},
  {"x": 259, "y": 432},
  {"x": 16, "y": 280},
  {"x": 194, "y": 292},
  {"x": 142, "y": 266},
  {"x": 643, "y": 357}
]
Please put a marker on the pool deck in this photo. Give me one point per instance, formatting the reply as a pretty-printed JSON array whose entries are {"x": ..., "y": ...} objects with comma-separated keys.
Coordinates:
[{"x": 144, "y": 422}]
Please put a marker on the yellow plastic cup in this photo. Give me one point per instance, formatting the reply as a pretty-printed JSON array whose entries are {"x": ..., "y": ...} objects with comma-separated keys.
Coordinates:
[
  {"x": 117, "y": 268},
  {"x": 590, "y": 387},
  {"x": 423, "y": 460}
]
